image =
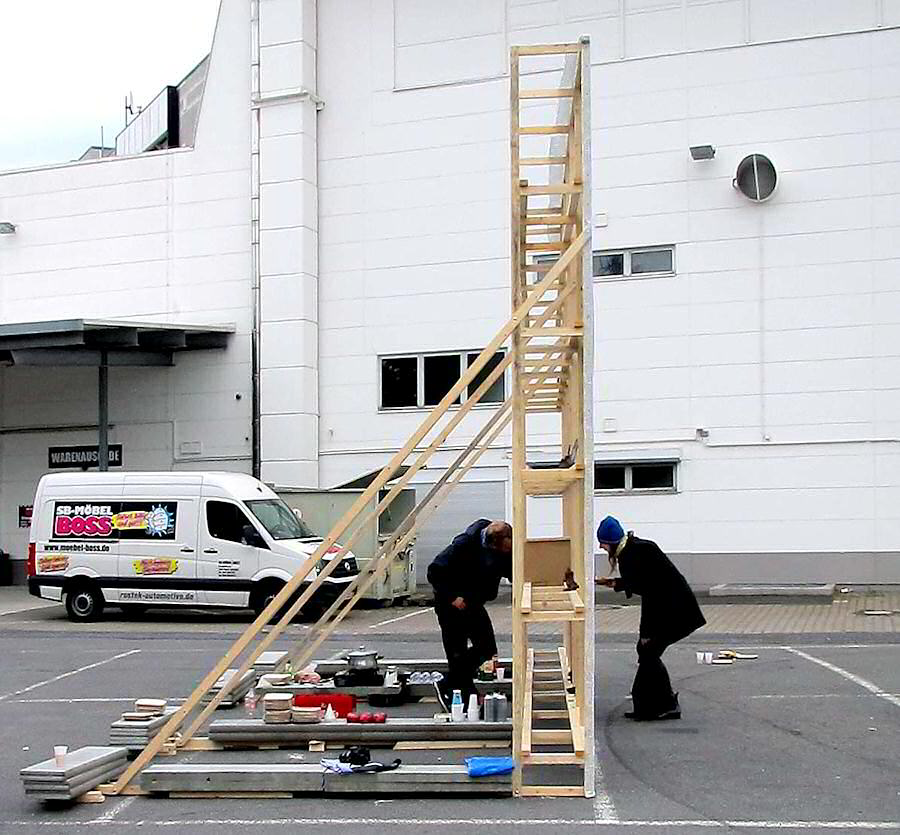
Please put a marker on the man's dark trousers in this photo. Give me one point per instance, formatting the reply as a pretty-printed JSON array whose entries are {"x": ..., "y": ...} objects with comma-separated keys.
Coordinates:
[
  {"x": 651, "y": 692},
  {"x": 458, "y": 628}
]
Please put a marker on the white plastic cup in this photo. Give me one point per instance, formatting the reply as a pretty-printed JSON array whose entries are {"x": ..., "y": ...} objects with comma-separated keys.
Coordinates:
[
  {"x": 707, "y": 657},
  {"x": 500, "y": 673},
  {"x": 59, "y": 754},
  {"x": 700, "y": 657}
]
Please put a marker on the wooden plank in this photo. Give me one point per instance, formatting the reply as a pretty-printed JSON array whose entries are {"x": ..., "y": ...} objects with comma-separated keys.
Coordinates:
[
  {"x": 547, "y": 713},
  {"x": 543, "y": 130},
  {"x": 550, "y": 219},
  {"x": 534, "y": 333},
  {"x": 575, "y": 725},
  {"x": 94, "y": 796},
  {"x": 542, "y": 161},
  {"x": 548, "y": 49},
  {"x": 552, "y": 791},
  {"x": 553, "y": 616},
  {"x": 561, "y": 758},
  {"x": 526, "y": 597},
  {"x": 527, "y": 720},
  {"x": 555, "y": 93},
  {"x": 110, "y": 789},
  {"x": 554, "y": 188},
  {"x": 201, "y": 743},
  {"x": 545, "y": 246},
  {"x": 540, "y": 736},
  {"x": 550, "y": 481}
]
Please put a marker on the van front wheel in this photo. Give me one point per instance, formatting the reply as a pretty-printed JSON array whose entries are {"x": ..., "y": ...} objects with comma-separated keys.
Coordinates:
[
  {"x": 84, "y": 602},
  {"x": 264, "y": 595}
]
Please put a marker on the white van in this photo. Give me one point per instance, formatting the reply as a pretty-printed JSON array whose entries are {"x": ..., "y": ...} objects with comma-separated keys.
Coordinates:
[{"x": 186, "y": 539}]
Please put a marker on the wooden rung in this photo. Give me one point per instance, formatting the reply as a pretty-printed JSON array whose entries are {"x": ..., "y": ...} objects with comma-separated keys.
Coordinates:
[
  {"x": 550, "y": 714},
  {"x": 551, "y": 791},
  {"x": 550, "y": 481},
  {"x": 544, "y": 130},
  {"x": 540, "y": 736},
  {"x": 556, "y": 93},
  {"x": 543, "y": 160},
  {"x": 555, "y": 220},
  {"x": 554, "y": 616},
  {"x": 561, "y": 758},
  {"x": 554, "y": 188},
  {"x": 526, "y": 598},
  {"x": 554, "y": 696},
  {"x": 548, "y": 49},
  {"x": 545, "y": 246}
]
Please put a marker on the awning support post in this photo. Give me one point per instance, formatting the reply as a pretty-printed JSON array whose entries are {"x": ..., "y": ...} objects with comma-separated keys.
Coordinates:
[{"x": 103, "y": 413}]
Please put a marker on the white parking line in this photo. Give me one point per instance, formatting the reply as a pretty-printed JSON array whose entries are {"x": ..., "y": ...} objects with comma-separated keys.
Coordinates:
[
  {"x": 480, "y": 822},
  {"x": 99, "y": 699},
  {"x": 874, "y": 689},
  {"x": 402, "y": 617},
  {"x": 61, "y": 676}
]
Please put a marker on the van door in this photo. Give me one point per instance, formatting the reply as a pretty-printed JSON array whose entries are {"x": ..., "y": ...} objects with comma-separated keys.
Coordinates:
[
  {"x": 157, "y": 551},
  {"x": 227, "y": 564}
]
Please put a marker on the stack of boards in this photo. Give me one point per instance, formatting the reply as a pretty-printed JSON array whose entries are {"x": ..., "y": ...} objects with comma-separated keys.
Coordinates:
[
  {"x": 136, "y": 728},
  {"x": 277, "y": 708},
  {"x": 270, "y": 661},
  {"x": 236, "y": 694},
  {"x": 83, "y": 770}
]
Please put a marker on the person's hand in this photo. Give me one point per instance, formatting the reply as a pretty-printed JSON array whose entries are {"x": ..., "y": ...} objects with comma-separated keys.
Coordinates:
[
  {"x": 459, "y": 603},
  {"x": 610, "y": 582}
]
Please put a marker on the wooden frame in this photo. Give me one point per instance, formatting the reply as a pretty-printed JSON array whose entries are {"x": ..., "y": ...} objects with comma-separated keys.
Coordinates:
[
  {"x": 552, "y": 373},
  {"x": 551, "y": 359}
]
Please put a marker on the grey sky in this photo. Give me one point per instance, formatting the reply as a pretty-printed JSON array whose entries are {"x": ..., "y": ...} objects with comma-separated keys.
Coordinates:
[{"x": 67, "y": 65}]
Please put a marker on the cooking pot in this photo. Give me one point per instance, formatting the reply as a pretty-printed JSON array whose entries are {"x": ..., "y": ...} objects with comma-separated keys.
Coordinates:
[{"x": 362, "y": 659}]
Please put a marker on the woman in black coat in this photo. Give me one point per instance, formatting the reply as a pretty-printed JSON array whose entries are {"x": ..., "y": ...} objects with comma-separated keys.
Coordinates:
[{"x": 669, "y": 612}]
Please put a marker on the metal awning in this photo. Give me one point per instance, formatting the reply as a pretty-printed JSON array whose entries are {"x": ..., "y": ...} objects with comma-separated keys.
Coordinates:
[
  {"x": 101, "y": 343},
  {"x": 96, "y": 342}
]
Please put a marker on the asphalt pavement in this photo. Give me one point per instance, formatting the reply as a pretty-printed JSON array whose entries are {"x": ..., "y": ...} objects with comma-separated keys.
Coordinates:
[{"x": 803, "y": 738}]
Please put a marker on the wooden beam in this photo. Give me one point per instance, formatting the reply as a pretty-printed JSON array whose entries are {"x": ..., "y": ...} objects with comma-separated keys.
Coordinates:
[
  {"x": 556, "y": 93},
  {"x": 527, "y": 720},
  {"x": 555, "y": 220},
  {"x": 553, "y": 188},
  {"x": 542, "y": 161},
  {"x": 552, "y": 791},
  {"x": 543, "y": 130},
  {"x": 549, "y": 49}
]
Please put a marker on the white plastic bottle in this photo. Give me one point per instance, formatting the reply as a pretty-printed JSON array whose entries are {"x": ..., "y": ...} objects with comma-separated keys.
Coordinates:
[{"x": 457, "y": 710}]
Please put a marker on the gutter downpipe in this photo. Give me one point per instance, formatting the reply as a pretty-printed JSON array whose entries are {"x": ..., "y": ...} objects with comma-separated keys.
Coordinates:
[{"x": 256, "y": 296}]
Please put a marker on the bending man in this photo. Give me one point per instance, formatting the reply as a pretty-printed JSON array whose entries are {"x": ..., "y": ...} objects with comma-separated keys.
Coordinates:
[
  {"x": 465, "y": 575},
  {"x": 669, "y": 612}
]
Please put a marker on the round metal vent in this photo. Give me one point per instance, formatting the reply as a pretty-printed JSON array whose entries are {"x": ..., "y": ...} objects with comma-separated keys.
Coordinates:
[{"x": 756, "y": 178}]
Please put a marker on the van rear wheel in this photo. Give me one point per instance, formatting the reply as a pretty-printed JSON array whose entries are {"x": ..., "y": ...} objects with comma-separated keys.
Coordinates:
[{"x": 84, "y": 602}]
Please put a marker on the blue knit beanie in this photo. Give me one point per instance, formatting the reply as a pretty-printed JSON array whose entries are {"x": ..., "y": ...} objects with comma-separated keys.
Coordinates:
[{"x": 610, "y": 531}]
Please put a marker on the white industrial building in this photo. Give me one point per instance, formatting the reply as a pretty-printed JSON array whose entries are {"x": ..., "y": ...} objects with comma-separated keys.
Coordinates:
[{"x": 331, "y": 232}]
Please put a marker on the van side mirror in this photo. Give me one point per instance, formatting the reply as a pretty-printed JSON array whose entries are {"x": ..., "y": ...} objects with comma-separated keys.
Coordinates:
[{"x": 252, "y": 537}]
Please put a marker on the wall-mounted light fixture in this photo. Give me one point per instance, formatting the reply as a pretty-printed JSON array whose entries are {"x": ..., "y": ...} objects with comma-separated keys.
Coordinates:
[
  {"x": 7, "y": 228},
  {"x": 701, "y": 152}
]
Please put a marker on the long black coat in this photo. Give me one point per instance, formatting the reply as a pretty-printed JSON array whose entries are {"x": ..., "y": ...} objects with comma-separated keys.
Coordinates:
[
  {"x": 466, "y": 569},
  {"x": 669, "y": 610}
]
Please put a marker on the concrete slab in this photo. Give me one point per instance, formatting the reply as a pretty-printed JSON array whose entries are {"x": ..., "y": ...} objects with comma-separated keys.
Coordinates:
[{"x": 308, "y": 778}]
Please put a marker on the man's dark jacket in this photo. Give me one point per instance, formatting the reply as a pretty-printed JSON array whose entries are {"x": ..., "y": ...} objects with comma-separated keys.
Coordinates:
[
  {"x": 669, "y": 610},
  {"x": 466, "y": 569}
]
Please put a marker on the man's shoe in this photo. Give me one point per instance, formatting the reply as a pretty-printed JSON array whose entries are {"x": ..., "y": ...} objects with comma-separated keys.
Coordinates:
[{"x": 653, "y": 717}]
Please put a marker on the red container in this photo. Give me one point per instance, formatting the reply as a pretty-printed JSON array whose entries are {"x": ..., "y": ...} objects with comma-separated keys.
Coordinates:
[{"x": 341, "y": 703}]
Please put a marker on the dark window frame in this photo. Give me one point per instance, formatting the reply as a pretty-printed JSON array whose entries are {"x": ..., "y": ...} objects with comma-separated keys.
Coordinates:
[
  {"x": 629, "y": 466},
  {"x": 464, "y": 362}
]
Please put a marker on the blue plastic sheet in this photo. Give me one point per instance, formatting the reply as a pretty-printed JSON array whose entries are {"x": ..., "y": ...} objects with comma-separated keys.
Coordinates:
[{"x": 486, "y": 766}]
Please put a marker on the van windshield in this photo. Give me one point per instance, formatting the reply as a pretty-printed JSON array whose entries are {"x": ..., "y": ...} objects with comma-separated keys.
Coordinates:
[{"x": 279, "y": 520}]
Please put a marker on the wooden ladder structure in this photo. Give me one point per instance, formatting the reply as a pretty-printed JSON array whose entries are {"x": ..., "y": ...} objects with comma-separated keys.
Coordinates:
[
  {"x": 546, "y": 332},
  {"x": 553, "y": 372}
]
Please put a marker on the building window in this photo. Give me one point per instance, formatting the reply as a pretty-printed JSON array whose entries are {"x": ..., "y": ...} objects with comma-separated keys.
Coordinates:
[
  {"x": 423, "y": 380},
  {"x": 635, "y": 477},
  {"x": 627, "y": 263},
  {"x": 399, "y": 382}
]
